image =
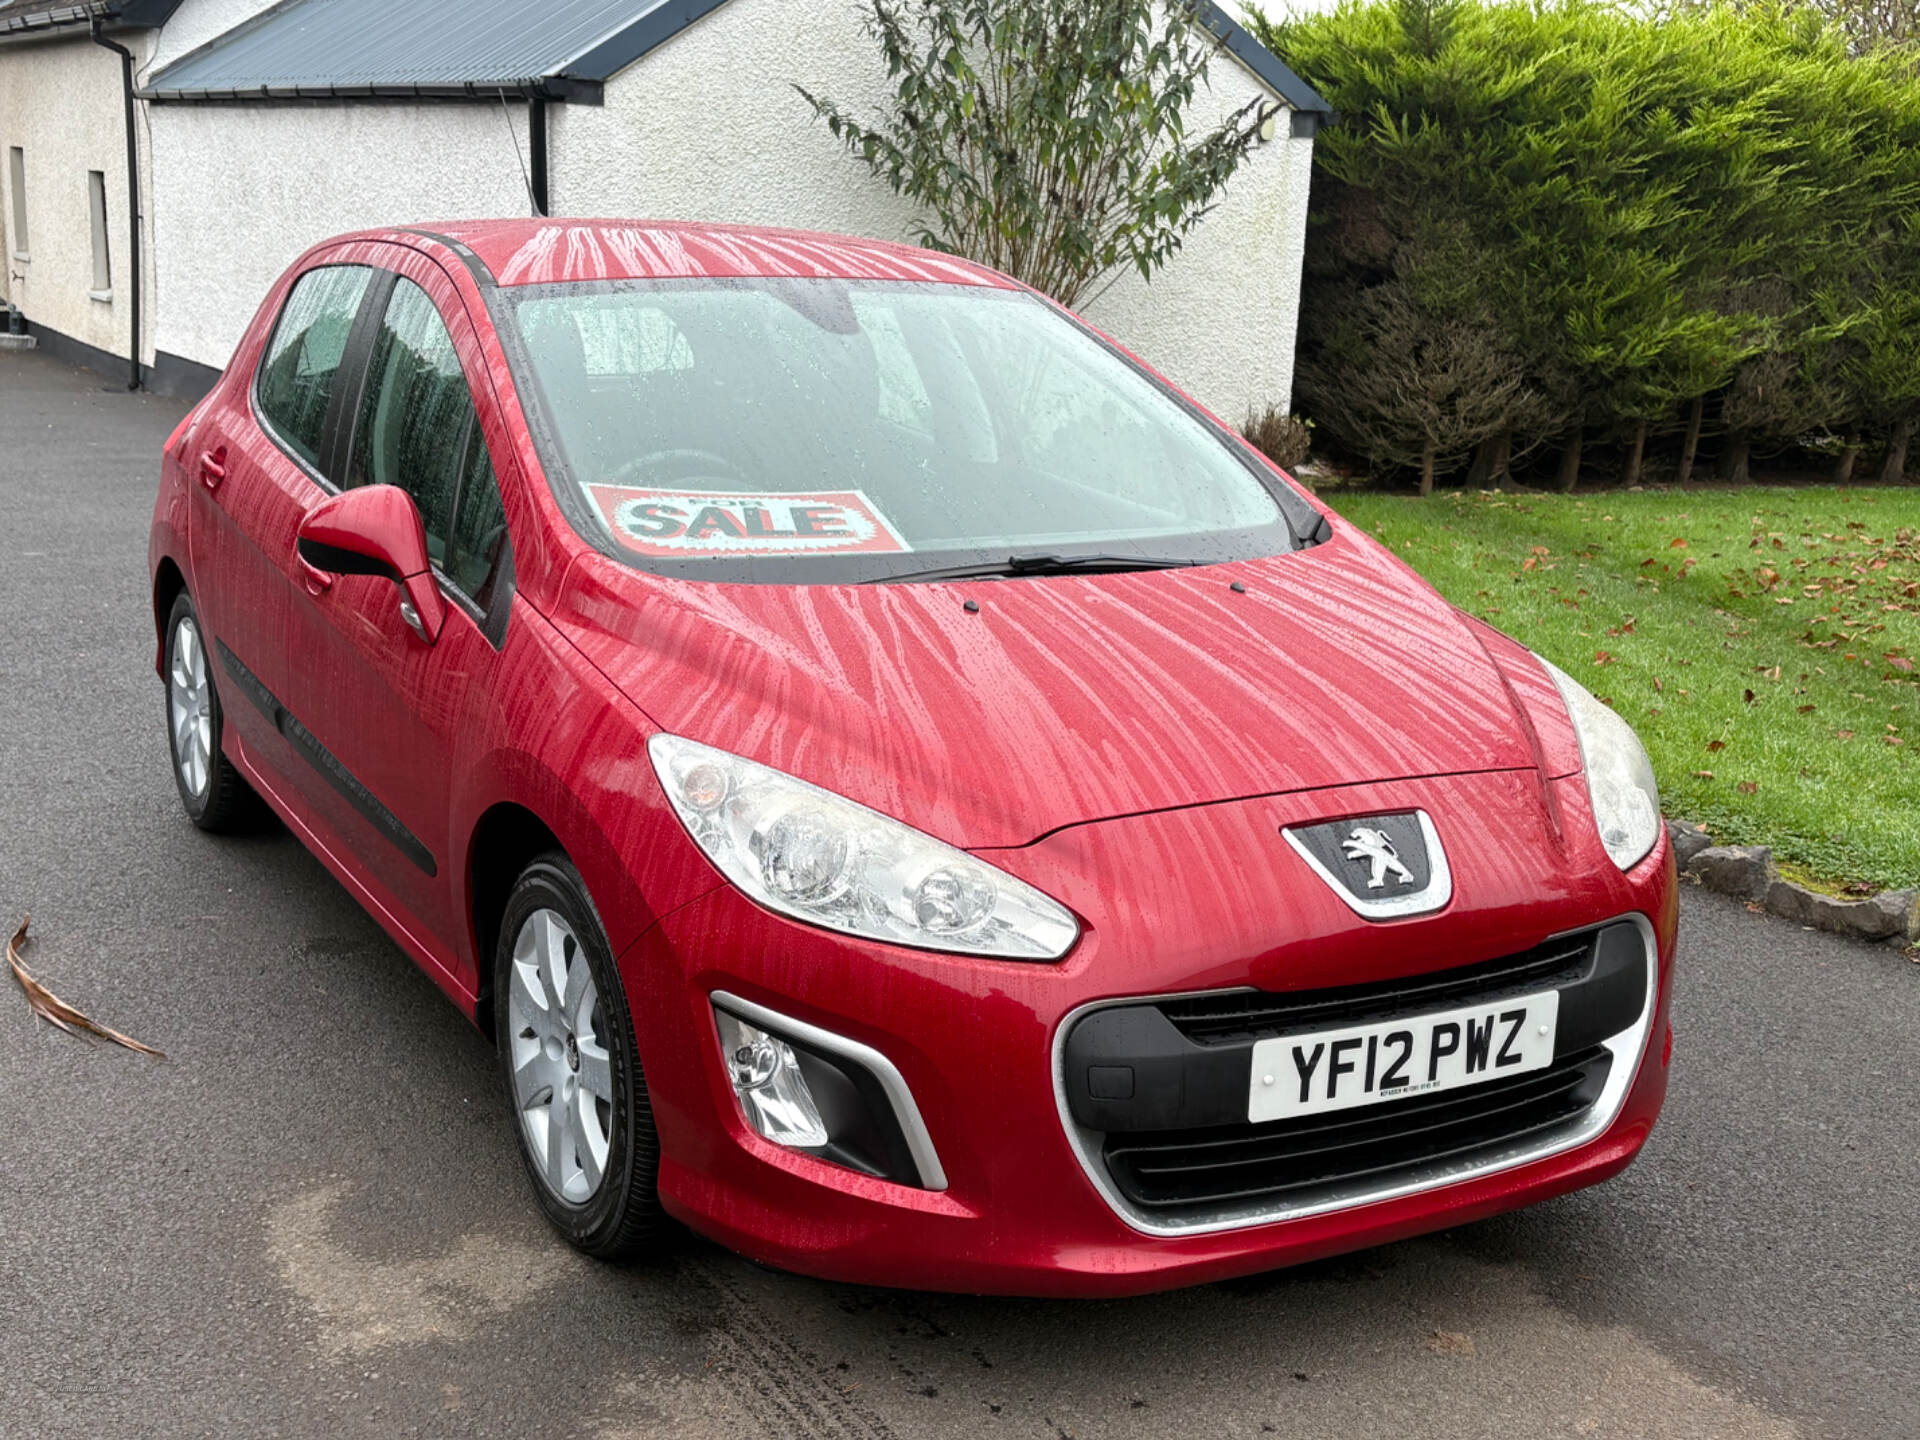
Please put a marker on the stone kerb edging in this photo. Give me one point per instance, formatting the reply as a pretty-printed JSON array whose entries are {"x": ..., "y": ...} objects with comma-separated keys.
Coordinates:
[{"x": 1747, "y": 871}]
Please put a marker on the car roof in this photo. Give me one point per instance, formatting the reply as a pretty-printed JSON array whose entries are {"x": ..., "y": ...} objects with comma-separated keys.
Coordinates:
[{"x": 540, "y": 252}]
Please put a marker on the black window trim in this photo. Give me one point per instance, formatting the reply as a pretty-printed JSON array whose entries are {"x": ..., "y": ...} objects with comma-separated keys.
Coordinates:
[
  {"x": 337, "y": 432},
  {"x": 1303, "y": 525},
  {"x": 350, "y": 387}
]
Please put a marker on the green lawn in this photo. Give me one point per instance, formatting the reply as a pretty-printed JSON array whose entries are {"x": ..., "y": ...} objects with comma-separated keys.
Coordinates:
[{"x": 1762, "y": 641}]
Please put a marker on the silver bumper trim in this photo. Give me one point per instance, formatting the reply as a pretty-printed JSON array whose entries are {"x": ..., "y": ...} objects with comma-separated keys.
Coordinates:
[{"x": 892, "y": 1082}]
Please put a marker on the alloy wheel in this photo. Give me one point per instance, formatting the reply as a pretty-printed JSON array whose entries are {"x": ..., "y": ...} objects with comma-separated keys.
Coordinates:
[
  {"x": 190, "y": 708},
  {"x": 562, "y": 1075}
]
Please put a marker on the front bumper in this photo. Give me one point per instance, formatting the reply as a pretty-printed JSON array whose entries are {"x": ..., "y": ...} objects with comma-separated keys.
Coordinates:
[{"x": 979, "y": 1043}]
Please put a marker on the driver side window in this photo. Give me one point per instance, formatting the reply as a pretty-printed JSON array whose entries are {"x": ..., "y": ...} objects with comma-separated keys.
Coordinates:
[{"x": 417, "y": 429}]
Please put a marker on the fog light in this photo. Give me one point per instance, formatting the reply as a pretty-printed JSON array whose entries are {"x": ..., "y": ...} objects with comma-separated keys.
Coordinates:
[{"x": 766, "y": 1076}]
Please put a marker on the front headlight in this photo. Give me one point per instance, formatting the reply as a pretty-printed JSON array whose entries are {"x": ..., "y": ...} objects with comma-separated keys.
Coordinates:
[
  {"x": 1626, "y": 804},
  {"x": 821, "y": 858}
]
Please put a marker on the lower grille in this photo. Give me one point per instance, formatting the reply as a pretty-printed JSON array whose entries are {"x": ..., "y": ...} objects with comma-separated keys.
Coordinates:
[{"x": 1162, "y": 1170}]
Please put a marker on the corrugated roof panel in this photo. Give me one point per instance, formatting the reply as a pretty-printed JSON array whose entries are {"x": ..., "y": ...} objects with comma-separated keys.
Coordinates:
[{"x": 319, "y": 46}]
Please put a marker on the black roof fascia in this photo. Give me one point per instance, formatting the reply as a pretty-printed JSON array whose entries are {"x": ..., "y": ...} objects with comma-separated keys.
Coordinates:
[
  {"x": 622, "y": 48},
  {"x": 536, "y": 89},
  {"x": 145, "y": 14},
  {"x": 1301, "y": 97}
]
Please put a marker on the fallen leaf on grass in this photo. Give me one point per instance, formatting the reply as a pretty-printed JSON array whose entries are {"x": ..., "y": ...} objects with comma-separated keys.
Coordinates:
[
  {"x": 1843, "y": 734},
  {"x": 1703, "y": 774},
  {"x": 55, "y": 1011},
  {"x": 1715, "y": 746},
  {"x": 1748, "y": 787}
]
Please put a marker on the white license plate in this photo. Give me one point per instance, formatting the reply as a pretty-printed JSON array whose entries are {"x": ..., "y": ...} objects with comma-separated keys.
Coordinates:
[{"x": 1365, "y": 1064}]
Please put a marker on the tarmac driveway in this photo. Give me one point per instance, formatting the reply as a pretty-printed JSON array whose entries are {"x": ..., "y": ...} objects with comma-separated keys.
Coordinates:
[{"x": 310, "y": 1218}]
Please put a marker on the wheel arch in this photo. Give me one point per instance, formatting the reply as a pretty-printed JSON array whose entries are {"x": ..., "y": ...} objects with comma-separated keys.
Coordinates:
[
  {"x": 168, "y": 585},
  {"x": 506, "y": 839}
]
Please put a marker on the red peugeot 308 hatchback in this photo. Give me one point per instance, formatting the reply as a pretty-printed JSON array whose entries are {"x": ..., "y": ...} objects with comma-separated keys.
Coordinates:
[{"x": 911, "y": 795}]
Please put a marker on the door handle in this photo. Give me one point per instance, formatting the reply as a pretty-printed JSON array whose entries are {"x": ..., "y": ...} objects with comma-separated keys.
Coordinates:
[
  {"x": 318, "y": 581},
  {"x": 213, "y": 467}
]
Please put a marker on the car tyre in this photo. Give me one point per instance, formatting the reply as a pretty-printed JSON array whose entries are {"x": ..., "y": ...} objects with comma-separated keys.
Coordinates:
[
  {"x": 212, "y": 791},
  {"x": 571, "y": 1067}
]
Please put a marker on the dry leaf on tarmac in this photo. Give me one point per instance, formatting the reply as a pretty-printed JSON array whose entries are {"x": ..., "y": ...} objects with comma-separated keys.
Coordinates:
[
  {"x": 55, "y": 1011},
  {"x": 1450, "y": 1342}
]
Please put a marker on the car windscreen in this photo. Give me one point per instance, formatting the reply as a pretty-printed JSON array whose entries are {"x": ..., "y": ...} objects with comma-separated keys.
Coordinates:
[{"x": 827, "y": 431}]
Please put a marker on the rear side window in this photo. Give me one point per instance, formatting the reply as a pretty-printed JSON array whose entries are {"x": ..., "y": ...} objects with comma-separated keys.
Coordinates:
[
  {"x": 417, "y": 430},
  {"x": 296, "y": 378}
]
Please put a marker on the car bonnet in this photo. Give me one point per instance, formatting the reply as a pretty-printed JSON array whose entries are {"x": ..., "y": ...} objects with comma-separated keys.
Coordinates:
[{"x": 1064, "y": 699}]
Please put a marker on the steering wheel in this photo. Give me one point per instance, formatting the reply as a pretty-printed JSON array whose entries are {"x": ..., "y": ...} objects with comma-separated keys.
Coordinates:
[{"x": 683, "y": 462}]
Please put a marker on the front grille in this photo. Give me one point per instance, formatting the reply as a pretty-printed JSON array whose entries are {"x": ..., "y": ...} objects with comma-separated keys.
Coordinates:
[
  {"x": 1234, "y": 1016},
  {"x": 1163, "y": 1170}
]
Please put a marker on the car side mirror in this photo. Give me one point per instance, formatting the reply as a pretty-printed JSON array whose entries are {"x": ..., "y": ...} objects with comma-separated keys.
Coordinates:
[{"x": 376, "y": 530}]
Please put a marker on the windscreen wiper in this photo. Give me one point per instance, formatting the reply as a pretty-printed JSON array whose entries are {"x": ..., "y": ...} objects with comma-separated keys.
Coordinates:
[{"x": 1039, "y": 565}]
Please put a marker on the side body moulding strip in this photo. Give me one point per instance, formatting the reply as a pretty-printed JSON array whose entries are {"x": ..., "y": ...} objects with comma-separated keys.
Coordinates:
[{"x": 326, "y": 762}]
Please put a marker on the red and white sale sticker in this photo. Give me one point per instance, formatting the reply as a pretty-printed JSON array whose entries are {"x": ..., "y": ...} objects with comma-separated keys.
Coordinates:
[{"x": 709, "y": 524}]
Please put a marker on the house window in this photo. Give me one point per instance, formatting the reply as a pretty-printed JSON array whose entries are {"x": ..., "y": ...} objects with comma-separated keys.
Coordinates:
[
  {"x": 102, "y": 263},
  {"x": 17, "y": 183}
]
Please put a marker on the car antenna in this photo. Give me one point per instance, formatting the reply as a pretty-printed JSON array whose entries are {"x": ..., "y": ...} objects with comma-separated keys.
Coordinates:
[{"x": 533, "y": 205}]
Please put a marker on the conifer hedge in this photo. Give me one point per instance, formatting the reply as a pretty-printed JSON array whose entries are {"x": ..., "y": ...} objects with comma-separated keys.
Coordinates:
[{"x": 1543, "y": 231}]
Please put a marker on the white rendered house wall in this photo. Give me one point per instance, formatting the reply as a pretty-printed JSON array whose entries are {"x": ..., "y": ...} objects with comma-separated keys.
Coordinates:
[
  {"x": 61, "y": 105},
  {"x": 705, "y": 127},
  {"x": 708, "y": 127},
  {"x": 241, "y": 189}
]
